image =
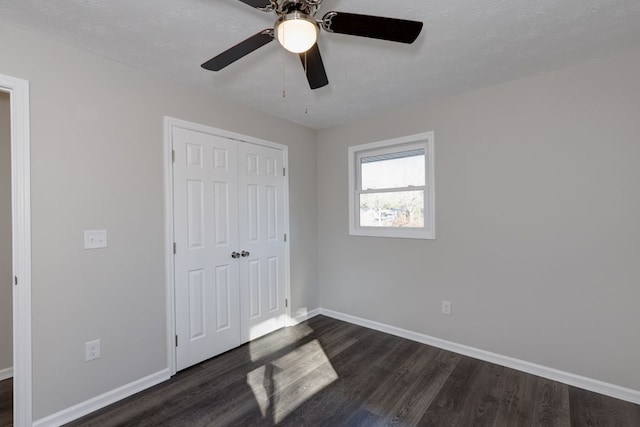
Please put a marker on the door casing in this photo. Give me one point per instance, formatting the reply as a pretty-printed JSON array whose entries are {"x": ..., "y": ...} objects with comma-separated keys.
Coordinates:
[
  {"x": 18, "y": 90},
  {"x": 169, "y": 124}
]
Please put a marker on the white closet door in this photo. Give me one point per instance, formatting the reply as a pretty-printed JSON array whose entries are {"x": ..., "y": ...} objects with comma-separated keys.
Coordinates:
[
  {"x": 229, "y": 225},
  {"x": 207, "y": 294},
  {"x": 262, "y": 227}
]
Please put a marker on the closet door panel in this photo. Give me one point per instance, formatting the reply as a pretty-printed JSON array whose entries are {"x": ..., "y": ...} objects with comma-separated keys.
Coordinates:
[
  {"x": 261, "y": 185},
  {"x": 207, "y": 293}
]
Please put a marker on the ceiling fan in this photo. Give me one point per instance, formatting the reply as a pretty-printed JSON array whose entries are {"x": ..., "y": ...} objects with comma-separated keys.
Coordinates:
[{"x": 297, "y": 31}]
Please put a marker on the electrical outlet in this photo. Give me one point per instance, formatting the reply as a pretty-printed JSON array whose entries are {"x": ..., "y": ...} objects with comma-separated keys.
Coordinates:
[
  {"x": 95, "y": 239},
  {"x": 446, "y": 308},
  {"x": 91, "y": 350}
]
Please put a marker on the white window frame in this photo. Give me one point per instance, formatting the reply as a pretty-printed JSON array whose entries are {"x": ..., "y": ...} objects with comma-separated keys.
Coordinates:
[{"x": 356, "y": 152}]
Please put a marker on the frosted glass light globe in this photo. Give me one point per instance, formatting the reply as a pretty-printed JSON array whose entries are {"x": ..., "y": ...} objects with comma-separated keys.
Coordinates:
[{"x": 296, "y": 32}]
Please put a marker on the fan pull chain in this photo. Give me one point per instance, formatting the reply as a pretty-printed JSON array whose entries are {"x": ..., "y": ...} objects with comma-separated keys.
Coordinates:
[
  {"x": 306, "y": 93},
  {"x": 284, "y": 75}
]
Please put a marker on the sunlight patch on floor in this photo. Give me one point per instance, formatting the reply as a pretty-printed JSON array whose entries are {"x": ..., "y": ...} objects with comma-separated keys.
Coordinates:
[
  {"x": 284, "y": 384},
  {"x": 260, "y": 349}
]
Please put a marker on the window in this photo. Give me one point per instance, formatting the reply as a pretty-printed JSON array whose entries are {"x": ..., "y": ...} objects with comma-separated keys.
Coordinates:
[{"x": 391, "y": 188}]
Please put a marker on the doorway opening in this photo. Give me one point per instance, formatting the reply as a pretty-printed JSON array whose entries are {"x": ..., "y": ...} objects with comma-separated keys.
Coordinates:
[
  {"x": 6, "y": 273},
  {"x": 17, "y": 91}
]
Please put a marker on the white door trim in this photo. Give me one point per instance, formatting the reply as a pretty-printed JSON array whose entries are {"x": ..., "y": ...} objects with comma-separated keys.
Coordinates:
[
  {"x": 21, "y": 246},
  {"x": 169, "y": 124}
]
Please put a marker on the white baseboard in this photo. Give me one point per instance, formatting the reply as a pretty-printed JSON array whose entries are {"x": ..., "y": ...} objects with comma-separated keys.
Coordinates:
[
  {"x": 304, "y": 316},
  {"x": 6, "y": 373},
  {"x": 585, "y": 383},
  {"x": 99, "y": 402}
]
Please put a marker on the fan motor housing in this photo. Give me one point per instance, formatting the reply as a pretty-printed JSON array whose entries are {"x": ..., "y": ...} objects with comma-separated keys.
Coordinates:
[{"x": 291, "y": 6}]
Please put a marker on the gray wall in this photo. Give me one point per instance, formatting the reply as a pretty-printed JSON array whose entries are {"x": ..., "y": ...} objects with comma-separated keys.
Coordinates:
[
  {"x": 6, "y": 319},
  {"x": 537, "y": 222},
  {"x": 97, "y": 162}
]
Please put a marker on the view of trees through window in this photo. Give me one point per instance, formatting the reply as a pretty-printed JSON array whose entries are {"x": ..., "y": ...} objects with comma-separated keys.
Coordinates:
[{"x": 392, "y": 189}]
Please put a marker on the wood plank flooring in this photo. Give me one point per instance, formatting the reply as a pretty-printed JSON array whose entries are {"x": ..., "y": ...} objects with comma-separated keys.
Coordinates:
[
  {"x": 325, "y": 372},
  {"x": 6, "y": 403}
]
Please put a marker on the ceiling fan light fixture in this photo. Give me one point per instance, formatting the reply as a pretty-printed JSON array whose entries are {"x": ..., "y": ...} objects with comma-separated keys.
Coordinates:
[{"x": 297, "y": 32}]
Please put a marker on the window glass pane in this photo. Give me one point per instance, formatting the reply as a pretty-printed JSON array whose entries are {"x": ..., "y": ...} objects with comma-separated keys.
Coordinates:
[
  {"x": 398, "y": 209},
  {"x": 394, "y": 170}
]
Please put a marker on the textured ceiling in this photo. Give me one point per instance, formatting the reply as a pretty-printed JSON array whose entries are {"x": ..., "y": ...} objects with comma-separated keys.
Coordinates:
[{"x": 465, "y": 45}]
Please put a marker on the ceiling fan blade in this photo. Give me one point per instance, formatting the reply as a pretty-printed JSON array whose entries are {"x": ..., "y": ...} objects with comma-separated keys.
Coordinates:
[
  {"x": 377, "y": 27},
  {"x": 314, "y": 68},
  {"x": 258, "y": 4},
  {"x": 238, "y": 51}
]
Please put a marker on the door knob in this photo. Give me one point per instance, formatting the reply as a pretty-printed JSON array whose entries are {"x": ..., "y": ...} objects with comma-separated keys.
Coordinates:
[
  {"x": 245, "y": 254},
  {"x": 235, "y": 255}
]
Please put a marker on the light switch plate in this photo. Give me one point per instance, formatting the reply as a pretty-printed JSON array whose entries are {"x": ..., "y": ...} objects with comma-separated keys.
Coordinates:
[{"x": 95, "y": 239}]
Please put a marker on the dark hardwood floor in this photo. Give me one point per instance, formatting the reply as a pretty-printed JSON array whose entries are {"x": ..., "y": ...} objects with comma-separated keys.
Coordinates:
[
  {"x": 6, "y": 403},
  {"x": 325, "y": 372}
]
